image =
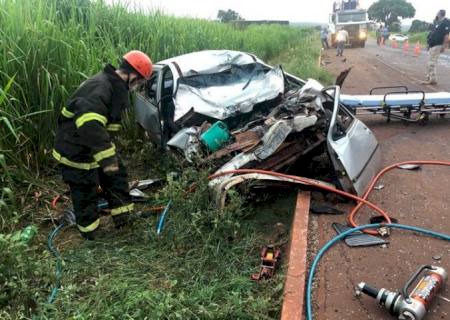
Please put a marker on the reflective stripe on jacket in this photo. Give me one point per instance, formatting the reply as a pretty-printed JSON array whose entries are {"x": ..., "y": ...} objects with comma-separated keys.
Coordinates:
[{"x": 83, "y": 136}]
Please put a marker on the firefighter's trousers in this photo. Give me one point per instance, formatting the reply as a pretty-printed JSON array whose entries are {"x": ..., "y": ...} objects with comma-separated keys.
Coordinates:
[{"x": 83, "y": 188}]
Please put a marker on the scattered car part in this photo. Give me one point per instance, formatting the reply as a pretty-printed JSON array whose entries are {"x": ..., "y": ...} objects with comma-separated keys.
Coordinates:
[
  {"x": 414, "y": 305},
  {"x": 181, "y": 138},
  {"x": 342, "y": 76},
  {"x": 358, "y": 239},
  {"x": 380, "y": 219},
  {"x": 136, "y": 193},
  {"x": 306, "y": 181},
  {"x": 270, "y": 257},
  {"x": 443, "y": 298},
  {"x": 353, "y": 148},
  {"x": 144, "y": 184},
  {"x": 221, "y": 187},
  {"x": 320, "y": 208},
  {"x": 410, "y": 166}
]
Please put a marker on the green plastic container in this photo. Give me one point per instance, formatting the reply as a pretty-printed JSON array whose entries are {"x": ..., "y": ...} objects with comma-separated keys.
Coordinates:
[
  {"x": 28, "y": 233},
  {"x": 216, "y": 136},
  {"x": 25, "y": 235}
]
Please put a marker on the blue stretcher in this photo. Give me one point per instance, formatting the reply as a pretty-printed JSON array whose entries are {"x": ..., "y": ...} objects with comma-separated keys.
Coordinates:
[{"x": 399, "y": 103}]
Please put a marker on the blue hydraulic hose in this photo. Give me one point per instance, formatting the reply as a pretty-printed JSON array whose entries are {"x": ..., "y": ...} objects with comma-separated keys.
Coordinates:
[
  {"x": 332, "y": 242},
  {"x": 58, "y": 268},
  {"x": 163, "y": 218}
]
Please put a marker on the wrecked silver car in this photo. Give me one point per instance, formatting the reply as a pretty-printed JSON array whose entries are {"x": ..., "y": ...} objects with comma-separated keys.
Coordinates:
[{"x": 231, "y": 110}]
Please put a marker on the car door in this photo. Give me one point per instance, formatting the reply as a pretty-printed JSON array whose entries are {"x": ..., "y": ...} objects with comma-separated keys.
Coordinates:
[
  {"x": 353, "y": 149},
  {"x": 146, "y": 106}
]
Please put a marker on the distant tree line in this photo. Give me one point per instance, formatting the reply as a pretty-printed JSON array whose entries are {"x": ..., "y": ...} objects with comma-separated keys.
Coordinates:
[
  {"x": 420, "y": 26},
  {"x": 228, "y": 15},
  {"x": 389, "y": 11}
]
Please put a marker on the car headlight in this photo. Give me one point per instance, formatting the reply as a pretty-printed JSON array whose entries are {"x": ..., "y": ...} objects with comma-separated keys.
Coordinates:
[{"x": 362, "y": 34}]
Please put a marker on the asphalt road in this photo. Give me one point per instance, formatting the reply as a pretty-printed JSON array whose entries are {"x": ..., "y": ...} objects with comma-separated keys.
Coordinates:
[
  {"x": 417, "y": 198},
  {"x": 374, "y": 66}
]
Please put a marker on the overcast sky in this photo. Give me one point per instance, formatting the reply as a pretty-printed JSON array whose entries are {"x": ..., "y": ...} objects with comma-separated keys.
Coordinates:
[{"x": 292, "y": 10}]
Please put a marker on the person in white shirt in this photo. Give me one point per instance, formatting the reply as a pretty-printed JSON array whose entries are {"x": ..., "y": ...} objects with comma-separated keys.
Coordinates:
[{"x": 341, "y": 40}]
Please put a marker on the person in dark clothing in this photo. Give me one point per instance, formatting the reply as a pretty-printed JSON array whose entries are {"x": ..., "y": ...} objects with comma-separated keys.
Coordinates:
[
  {"x": 83, "y": 144},
  {"x": 379, "y": 33},
  {"x": 437, "y": 40}
]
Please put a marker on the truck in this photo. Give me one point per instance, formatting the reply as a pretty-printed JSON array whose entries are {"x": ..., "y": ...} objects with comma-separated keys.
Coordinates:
[{"x": 349, "y": 16}]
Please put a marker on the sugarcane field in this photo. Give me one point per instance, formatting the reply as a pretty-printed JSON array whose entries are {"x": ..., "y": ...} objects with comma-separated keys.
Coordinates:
[{"x": 224, "y": 159}]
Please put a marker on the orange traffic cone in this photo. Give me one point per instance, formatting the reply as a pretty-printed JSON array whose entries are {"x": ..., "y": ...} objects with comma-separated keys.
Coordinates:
[
  {"x": 394, "y": 44},
  {"x": 405, "y": 47},
  {"x": 417, "y": 49}
]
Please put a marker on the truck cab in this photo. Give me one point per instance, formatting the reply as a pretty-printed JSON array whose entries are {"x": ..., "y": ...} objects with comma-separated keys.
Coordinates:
[{"x": 355, "y": 21}]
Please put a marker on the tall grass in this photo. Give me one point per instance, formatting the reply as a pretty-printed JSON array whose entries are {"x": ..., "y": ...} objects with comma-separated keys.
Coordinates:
[
  {"x": 48, "y": 47},
  {"x": 420, "y": 37}
]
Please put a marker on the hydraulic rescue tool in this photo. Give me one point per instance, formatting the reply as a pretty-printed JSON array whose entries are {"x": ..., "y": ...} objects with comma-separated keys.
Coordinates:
[{"x": 412, "y": 306}]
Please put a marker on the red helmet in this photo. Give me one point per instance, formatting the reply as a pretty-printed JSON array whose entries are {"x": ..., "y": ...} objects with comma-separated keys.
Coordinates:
[{"x": 140, "y": 62}]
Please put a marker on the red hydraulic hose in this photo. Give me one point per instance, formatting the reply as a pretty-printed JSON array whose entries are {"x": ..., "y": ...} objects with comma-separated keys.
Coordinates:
[
  {"x": 306, "y": 182},
  {"x": 361, "y": 200},
  {"x": 351, "y": 216}
]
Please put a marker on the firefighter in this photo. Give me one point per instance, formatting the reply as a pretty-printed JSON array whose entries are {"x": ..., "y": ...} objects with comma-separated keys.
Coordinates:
[{"x": 83, "y": 146}]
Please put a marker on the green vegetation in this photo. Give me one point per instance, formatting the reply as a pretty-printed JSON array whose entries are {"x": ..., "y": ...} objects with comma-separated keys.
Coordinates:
[
  {"x": 24, "y": 274},
  {"x": 420, "y": 37},
  {"x": 420, "y": 26},
  {"x": 389, "y": 11},
  {"x": 200, "y": 266},
  {"x": 303, "y": 60}
]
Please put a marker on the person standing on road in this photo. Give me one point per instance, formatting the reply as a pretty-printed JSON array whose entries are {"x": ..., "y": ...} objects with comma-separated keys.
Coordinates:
[
  {"x": 83, "y": 144},
  {"x": 379, "y": 32},
  {"x": 437, "y": 41},
  {"x": 385, "y": 34},
  {"x": 324, "y": 38},
  {"x": 341, "y": 40}
]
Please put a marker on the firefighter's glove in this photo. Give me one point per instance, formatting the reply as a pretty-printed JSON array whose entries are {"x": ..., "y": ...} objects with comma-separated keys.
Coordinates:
[{"x": 111, "y": 169}]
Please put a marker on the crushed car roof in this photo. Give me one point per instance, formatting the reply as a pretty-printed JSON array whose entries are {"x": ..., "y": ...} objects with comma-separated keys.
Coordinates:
[
  {"x": 209, "y": 61},
  {"x": 222, "y": 83}
]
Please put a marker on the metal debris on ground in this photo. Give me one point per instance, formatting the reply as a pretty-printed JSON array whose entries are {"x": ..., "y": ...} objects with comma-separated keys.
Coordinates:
[
  {"x": 379, "y": 187},
  {"x": 410, "y": 167},
  {"x": 324, "y": 209},
  {"x": 381, "y": 219},
  {"x": 137, "y": 193},
  {"x": 358, "y": 239}
]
